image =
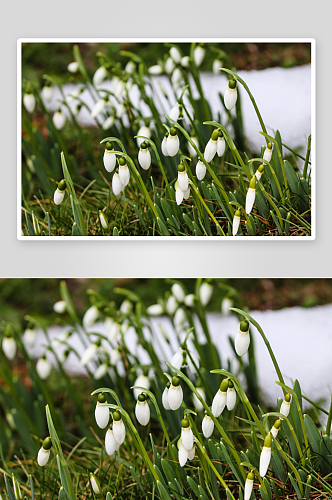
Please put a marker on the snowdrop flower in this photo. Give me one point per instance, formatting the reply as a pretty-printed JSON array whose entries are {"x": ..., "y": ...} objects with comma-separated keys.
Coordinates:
[
  {"x": 285, "y": 406},
  {"x": 118, "y": 86},
  {"x": 199, "y": 54},
  {"x": 169, "y": 65},
  {"x": 192, "y": 150},
  {"x": 176, "y": 112},
  {"x": 73, "y": 67},
  {"x": 236, "y": 222},
  {"x": 268, "y": 152},
  {"x": 144, "y": 156},
  {"x": 90, "y": 317},
  {"x": 183, "y": 182},
  {"x": 205, "y": 293},
  {"x": 187, "y": 436},
  {"x": 72, "y": 95},
  {"x": 59, "y": 119},
  {"x": 178, "y": 292},
  {"x": 176, "y": 78},
  {"x": 175, "y": 54},
  {"x": 60, "y": 306},
  {"x": 249, "y": 484},
  {"x": 220, "y": 399},
  {"x": 9, "y": 346},
  {"x": 99, "y": 107},
  {"x": 181, "y": 359},
  {"x": 217, "y": 64},
  {"x": 99, "y": 75},
  {"x": 59, "y": 193},
  {"x": 56, "y": 342},
  {"x": 141, "y": 381},
  {"x": 259, "y": 172},
  {"x": 200, "y": 170},
  {"x": 77, "y": 108},
  {"x": 47, "y": 92},
  {"x": 231, "y": 396},
  {"x": 102, "y": 412},
  {"x": 175, "y": 394},
  {"x": 185, "y": 61},
  {"x": 211, "y": 147},
  {"x": 115, "y": 356},
  {"x": 251, "y": 194},
  {"x": 126, "y": 307},
  {"x": 265, "y": 457},
  {"x": 90, "y": 352},
  {"x": 109, "y": 157},
  {"x": 275, "y": 428},
  {"x": 156, "y": 69},
  {"x": 225, "y": 306},
  {"x": 191, "y": 453},
  {"x": 221, "y": 144},
  {"x": 180, "y": 320},
  {"x": 242, "y": 339},
  {"x": 130, "y": 67},
  {"x": 198, "y": 405},
  {"x": 120, "y": 110},
  {"x": 155, "y": 310},
  {"x": 29, "y": 101},
  {"x": 146, "y": 132},
  {"x": 180, "y": 195},
  {"x": 103, "y": 219},
  {"x": 230, "y": 96},
  {"x": 189, "y": 300},
  {"x": 43, "y": 367},
  {"x": 119, "y": 430},
  {"x": 95, "y": 484},
  {"x": 142, "y": 410},
  {"x": 171, "y": 305},
  {"x": 112, "y": 330},
  {"x": 101, "y": 371},
  {"x": 164, "y": 145},
  {"x": 44, "y": 452},
  {"x": 183, "y": 454},
  {"x": 108, "y": 123},
  {"x": 117, "y": 185},
  {"x": 207, "y": 426},
  {"x": 29, "y": 337},
  {"x": 173, "y": 142},
  {"x": 124, "y": 172},
  {"x": 111, "y": 444},
  {"x": 164, "y": 398}
]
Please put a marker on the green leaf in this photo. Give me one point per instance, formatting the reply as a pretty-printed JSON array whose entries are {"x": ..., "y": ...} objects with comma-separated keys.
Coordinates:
[
  {"x": 313, "y": 433},
  {"x": 30, "y": 226},
  {"x": 162, "y": 228},
  {"x": 163, "y": 492},
  {"x": 292, "y": 177}
]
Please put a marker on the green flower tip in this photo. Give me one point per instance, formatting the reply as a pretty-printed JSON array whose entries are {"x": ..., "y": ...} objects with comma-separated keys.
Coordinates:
[
  {"x": 166, "y": 134},
  {"x": 269, "y": 145},
  {"x": 185, "y": 423},
  {"x": 109, "y": 145},
  {"x": 181, "y": 167},
  {"x": 237, "y": 213},
  {"x": 168, "y": 385},
  {"x": 244, "y": 325},
  {"x": 268, "y": 440},
  {"x": 116, "y": 416},
  {"x": 251, "y": 476},
  {"x": 287, "y": 398},
  {"x": 141, "y": 397},
  {"x": 47, "y": 443},
  {"x": 102, "y": 397},
  {"x": 232, "y": 83},
  {"x": 144, "y": 145},
  {"x": 224, "y": 385},
  {"x": 277, "y": 424},
  {"x": 122, "y": 161},
  {"x": 261, "y": 168},
  {"x": 175, "y": 381},
  {"x": 220, "y": 133},
  {"x": 215, "y": 134},
  {"x": 173, "y": 131},
  {"x": 8, "y": 334},
  {"x": 252, "y": 184},
  {"x": 230, "y": 384},
  {"x": 62, "y": 185}
]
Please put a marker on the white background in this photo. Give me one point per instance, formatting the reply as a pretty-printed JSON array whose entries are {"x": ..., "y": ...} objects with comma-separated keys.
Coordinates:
[{"x": 159, "y": 18}]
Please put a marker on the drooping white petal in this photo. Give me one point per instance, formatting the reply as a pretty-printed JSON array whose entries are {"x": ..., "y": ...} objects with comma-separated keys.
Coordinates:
[
  {"x": 185, "y": 61},
  {"x": 189, "y": 300},
  {"x": 126, "y": 307},
  {"x": 248, "y": 488},
  {"x": 191, "y": 453},
  {"x": 250, "y": 199},
  {"x": 117, "y": 185},
  {"x": 58, "y": 196},
  {"x": 219, "y": 403},
  {"x": 183, "y": 181},
  {"x": 142, "y": 412},
  {"x": 164, "y": 146},
  {"x": 264, "y": 460},
  {"x": 171, "y": 305},
  {"x": 173, "y": 145},
  {"x": 146, "y": 132},
  {"x": 205, "y": 293},
  {"x": 144, "y": 158},
  {"x": 142, "y": 381},
  {"x": 190, "y": 363},
  {"x": 178, "y": 291},
  {"x": 89, "y": 353},
  {"x": 164, "y": 399},
  {"x": 119, "y": 431},
  {"x": 43, "y": 456},
  {"x": 242, "y": 341},
  {"x": 124, "y": 174},
  {"x": 199, "y": 54},
  {"x": 180, "y": 320},
  {"x": 94, "y": 484},
  {"x": 225, "y": 305},
  {"x": 101, "y": 371},
  {"x": 176, "y": 78},
  {"x": 156, "y": 69},
  {"x": 186, "y": 193},
  {"x": 267, "y": 154},
  {"x": 231, "y": 398},
  {"x": 130, "y": 67},
  {"x": 155, "y": 310},
  {"x": 169, "y": 65},
  {"x": 108, "y": 123},
  {"x": 200, "y": 170},
  {"x": 230, "y": 98},
  {"x": 112, "y": 330},
  {"x": 210, "y": 150},
  {"x": 221, "y": 146},
  {"x": 175, "y": 54},
  {"x": 59, "y": 120},
  {"x": 43, "y": 368},
  {"x": 118, "y": 87},
  {"x": 120, "y": 110},
  {"x": 29, "y": 102},
  {"x": 98, "y": 108},
  {"x": 207, "y": 426},
  {"x": 179, "y": 195},
  {"x": 274, "y": 431},
  {"x": 46, "y": 93},
  {"x": 216, "y": 65},
  {"x": 175, "y": 397},
  {"x": 198, "y": 405},
  {"x": 183, "y": 455},
  {"x": 29, "y": 337},
  {"x": 285, "y": 408},
  {"x": 109, "y": 160},
  {"x": 102, "y": 415},
  {"x": 192, "y": 151},
  {"x": 73, "y": 67},
  {"x": 175, "y": 112},
  {"x": 177, "y": 359},
  {"x": 115, "y": 356},
  {"x": 236, "y": 224},
  {"x": 111, "y": 445},
  {"x": 90, "y": 317},
  {"x": 9, "y": 347},
  {"x": 187, "y": 438},
  {"x": 99, "y": 75},
  {"x": 60, "y": 306}
]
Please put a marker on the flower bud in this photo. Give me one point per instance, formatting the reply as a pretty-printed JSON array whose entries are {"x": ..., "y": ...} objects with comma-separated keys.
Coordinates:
[
  {"x": 99, "y": 76},
  {"x": 44, "y": 452},
  {"x": 211, "y": 147},
  {"x": 164, "y": 145},
  {"x": 29, "y": 337},
  {"x": 102, "y": 413},
  {"x": 236, "y": 222},
  {"x": 265, "y": 457},
  {"x": 103, "y": 219},
  {"x": 9, "y": 346},
  {"x": 90, "y": 317},
  {"x": 249, "y": 484},
  {"x": 119, "y": 429},
  {"x": 99, "y": 107},
  {"x": 146, "y": 132},
  {"x": 142, "y": 410},
  {"x": 29, "y": 102},
  {"x": 144, "y": 156},
  {"x": 220, "y": 399},
  {"x": 109, "y": 158},
  {"x": 185, "y": 61},
  {"x": 207, "y": 426},
  {"x": 259, "y": 172},
  {"x": 187, "y": 437},
  {"x": 231, "y": 396},
  {"x": 155, "y": 310},
  {"x": 60, "y": 192},
  {"x": 175, "y": 54},
  {"x": 43, "y": 367},
  {"x": 268, "y": 152},
  {"x": 111, "y": 445},
  {"x": 173, "y": 142},
  {"x": 175, "y": 394},
  {"x": 242, "y": 339},
  {"x": 169, "y": 65},
  {"x": 217, "y": 64},
  {"x": 156, "y": 69},
  {"x": 164, "y": 399},
  {"x": 198, "y": 405},
  {"x": 192, "y": 151},
  {"x": 95, "y": 484},
  {"x": 117, "y": 185},
  {"x": 285, "y": 405},
  {"x": 124, "y": 172},
  {"x": 73, "y": 67},
  {"x": 142, "y": 381},
  {"x": 251, "y": 194},
  {"x": 221, "y": 144},
  {"x": 199, "y": 54},
  {"x": 230, "y": 96},
  {"x": 275, "y": 429},
  {"x": 108, "y": 123},
  {"x": 59, "y": 119},
  {"x": 205, "y": 293},
  {"x": 200, "y": 170}
]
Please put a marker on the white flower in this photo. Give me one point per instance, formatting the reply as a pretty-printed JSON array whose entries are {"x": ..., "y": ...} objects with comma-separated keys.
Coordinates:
[
  {"x": 73, "y": 67},
  {"x": 119, "y": 429},
  {"x": 211, "y": 147},
  {"x": 175, "y": 54},
  {"x": 90, "y": 317},
  {"x": 183, "y": 454},
  {"x": 199, "y": 54},
  {"x": 181, "y": 358},
  {"x": 231, "y": 396},
  {"x": 99, "y": 75},
  {"x": 265, "y": 457},
  {"x": 72, "y": 95},
  {"x": 251, "y": 194},
  {"x": 217, "y": 64},
  {"x": 248, "y": 486},
  {"x": 118, "y": 87},
  {"x": 112, "y": 330},
  {"x": 124, "y": 172},
  {"x": 155, "y": 70},
  {"x": 192, "y": 150},
  {"x": 29, "y": 337},
  {"x": 89, "y": 353},
  {"x": 47, "y": 93},
  {"x": 102, "y": 415},
  {"x": 164, "y": 146},
  {"x": 109, "y": 158},
  {"x": 120, "y": 110},
  {"x": 175, "y": 394},
  {"x": 242, "y": 339},
  {"x": 29, "y": 102},
  {"x": 236, "y": 222},
  {"x": 176, "y": 78},
  {"x": 115, "y": 356},
  {"x": 9, "y": 347},
  {"x": 220, "y": 399},
  {"x": 101, "y": 371},
  {"x": 173, "y": 142},
  {"x": 59, "y": 119},
  {"x": 200, "y": 170},
  {"x": 285, "y": 406},
  {"x": 230, "y": 96},
  {"x": 155, "y": 310},
  {"x": 178, "y": 292},
  {"x": 59, "y": 193},
  {"x": 275, "y": 428},
  {"x": 146, "y": 132},
  {"x": 117, "y": 185},
  {"x": 187, "y": 436},
  {"x": 169, "y": 65},
  {"x": 175, "y": 112},
  {"x": 111, "y": 445},
  {"x": 185, "y": 61},
  {"x": 144, "y": 157},
  {"x": 56, "y": 342},
  {"x": 205, "y": 293},
  {"x": 141, "y": 381},
  {"x": 191, "y": 453},
  {"x": 130, "y": 67},
  {"x": 171, "y": 305},
  {"x": 180, "y": 320},
  {"x": 44, "y": 452},
  {"x": 95, "y": 484},
  {"x": 99, "y": 107},
  {"x": 198, "y": 405},
  {"x": 43, "y": 367},
  {"x": 180, "y": 195},
  {"x": 183, "y": 181},
  {"x": 221, "y": 145},
  {"x": 164, "y": 399},
  {"x": 108, "y": 123},
  {"x": 142, "y": 410},
  {"x": 268, "y": 152},
  {"x": 259, "y": 172},
  {"x": 189, "y": 300},
  {"x": 126, "y": 307},
  {"x": 207, "y": 426}
]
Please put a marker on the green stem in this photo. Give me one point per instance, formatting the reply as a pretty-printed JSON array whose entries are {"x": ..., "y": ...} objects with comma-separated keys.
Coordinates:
[
  {"x": 207, "y": 208},
  {"x": 305, "y": 168},
  {"x": 269, "y": 199},
  {"x": 272, "y": 139}
]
